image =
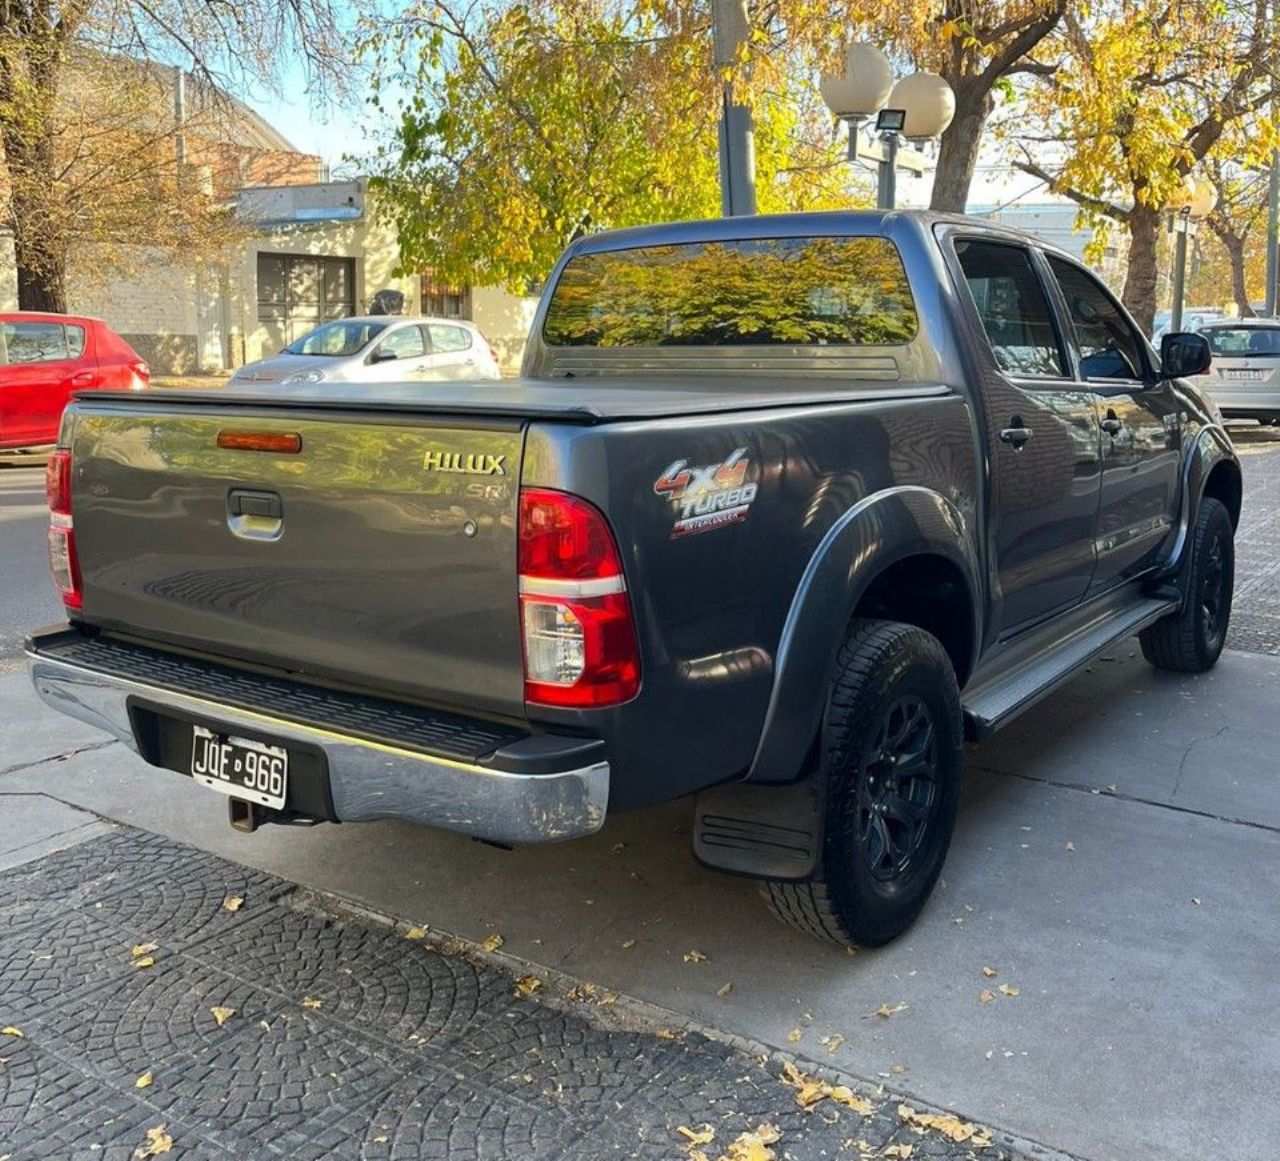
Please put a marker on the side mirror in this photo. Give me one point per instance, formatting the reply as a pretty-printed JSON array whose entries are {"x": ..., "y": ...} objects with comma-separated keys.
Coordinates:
[
  {"x": 382, "y": 355},
  {"x": 1184, "y": 354}
]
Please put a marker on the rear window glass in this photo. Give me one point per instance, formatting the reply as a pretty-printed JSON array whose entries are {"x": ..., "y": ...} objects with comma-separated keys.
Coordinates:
[
  {"x": 1243, "y": 341},
  {"x": 767, "y": 291}
]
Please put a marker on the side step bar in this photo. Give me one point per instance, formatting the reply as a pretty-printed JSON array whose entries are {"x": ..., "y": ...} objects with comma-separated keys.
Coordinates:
[{"x": 995, "y": 698}]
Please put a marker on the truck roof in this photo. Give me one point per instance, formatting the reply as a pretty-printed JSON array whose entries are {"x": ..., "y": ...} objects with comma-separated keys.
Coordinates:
[{"x": 853, "y": 222}]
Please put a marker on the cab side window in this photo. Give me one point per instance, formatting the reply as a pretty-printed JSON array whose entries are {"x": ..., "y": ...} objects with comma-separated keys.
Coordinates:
[
  {"x": 1109, "y": 346},
  {"x": 1013, "y": 307}
]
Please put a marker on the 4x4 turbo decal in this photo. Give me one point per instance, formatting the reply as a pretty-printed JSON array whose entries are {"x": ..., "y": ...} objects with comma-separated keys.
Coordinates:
[{"x": 707, "y": 497}]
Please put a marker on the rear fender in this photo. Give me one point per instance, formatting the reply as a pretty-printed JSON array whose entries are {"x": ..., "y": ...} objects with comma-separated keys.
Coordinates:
[{"x": 874, "y": 534}]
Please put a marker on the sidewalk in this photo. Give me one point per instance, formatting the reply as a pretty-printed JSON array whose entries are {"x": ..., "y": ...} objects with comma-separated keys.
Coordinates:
[
  {"x": 1117, "y": 863},
  {"x": 151, "y": 993}
]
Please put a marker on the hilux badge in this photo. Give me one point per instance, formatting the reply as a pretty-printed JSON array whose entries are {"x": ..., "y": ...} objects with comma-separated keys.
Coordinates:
[{"x": 468, "y": 463}]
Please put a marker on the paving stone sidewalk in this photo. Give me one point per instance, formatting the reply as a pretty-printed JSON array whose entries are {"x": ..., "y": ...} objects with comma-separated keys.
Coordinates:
[{"x": 346, "y": 1040}]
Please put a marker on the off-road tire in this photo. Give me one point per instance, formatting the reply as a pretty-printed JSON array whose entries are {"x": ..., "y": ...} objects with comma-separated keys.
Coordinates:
[
  {"x": 1191, "y": 639},
  {"x": 881, "y": 667}
]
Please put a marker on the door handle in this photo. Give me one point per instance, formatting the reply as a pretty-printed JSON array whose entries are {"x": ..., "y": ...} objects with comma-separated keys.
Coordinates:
[
  {"x": 83, "y": 379},
  {"x": 1015, "y": 434},
  {"x": 1111, "y": 425}
]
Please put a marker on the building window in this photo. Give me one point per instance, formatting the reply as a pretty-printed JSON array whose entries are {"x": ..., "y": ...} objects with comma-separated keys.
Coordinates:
[
  {"x": 297, "y": 292},
  {"x": 440, "y": 300}
]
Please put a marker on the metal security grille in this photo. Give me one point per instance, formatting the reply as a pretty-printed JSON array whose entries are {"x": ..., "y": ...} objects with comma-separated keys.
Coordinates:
[{"x": 297, "y": 292}]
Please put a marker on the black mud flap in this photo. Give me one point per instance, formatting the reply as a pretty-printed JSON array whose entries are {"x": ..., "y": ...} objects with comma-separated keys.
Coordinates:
[{"x": 765, "y": 832}]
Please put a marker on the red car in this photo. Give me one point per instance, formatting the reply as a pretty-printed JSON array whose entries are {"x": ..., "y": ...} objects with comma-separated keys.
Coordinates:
[{"x": 44, "y": 358}]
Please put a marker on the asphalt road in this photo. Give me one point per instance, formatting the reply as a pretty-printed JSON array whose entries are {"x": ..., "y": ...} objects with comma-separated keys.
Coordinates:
[{"x": 27, "y": 599}]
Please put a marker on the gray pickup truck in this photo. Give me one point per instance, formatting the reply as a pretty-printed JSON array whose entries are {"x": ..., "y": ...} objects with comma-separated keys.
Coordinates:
[{"x": 782, "y": 511}]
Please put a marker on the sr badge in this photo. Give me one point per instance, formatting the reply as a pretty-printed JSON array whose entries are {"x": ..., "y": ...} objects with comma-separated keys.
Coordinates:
[{"x": 707, "y": 497}]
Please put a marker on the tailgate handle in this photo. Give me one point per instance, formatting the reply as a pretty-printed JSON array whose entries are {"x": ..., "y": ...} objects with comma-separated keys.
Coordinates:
[{"x": 255, "y": 515}]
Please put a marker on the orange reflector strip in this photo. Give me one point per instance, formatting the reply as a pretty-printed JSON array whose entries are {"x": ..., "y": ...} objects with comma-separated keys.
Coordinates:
[{"x": 287, "y": 442}]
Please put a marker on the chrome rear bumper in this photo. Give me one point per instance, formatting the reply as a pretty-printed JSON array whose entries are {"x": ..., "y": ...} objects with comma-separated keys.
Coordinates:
[{"x": 367, "y": 779}]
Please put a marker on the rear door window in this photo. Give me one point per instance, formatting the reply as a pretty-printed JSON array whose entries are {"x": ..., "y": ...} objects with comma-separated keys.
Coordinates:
[
  {"x": 36, "y": 342},
  {"x": 1013, "y": 307},
  {"x": 445, "y": 338},
  {"x": 744, "y": 292}
]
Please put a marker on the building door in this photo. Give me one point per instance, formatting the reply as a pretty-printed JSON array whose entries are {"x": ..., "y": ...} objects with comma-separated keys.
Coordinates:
[{"x": 297, "y": 292}]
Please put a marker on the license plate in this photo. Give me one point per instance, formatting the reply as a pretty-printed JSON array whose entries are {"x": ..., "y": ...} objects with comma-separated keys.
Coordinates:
[
  {"x": 240, "y": 767},
  {"x": 1253, "y": 376}
]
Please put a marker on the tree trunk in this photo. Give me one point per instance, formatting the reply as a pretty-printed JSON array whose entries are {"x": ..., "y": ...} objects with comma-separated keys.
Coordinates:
[
  {"x": 42, "y": 276},
  {"x": 1234, "y": 246},
  {"x": 1139, "y": 294},
  {"x": 958, "y": 154}
]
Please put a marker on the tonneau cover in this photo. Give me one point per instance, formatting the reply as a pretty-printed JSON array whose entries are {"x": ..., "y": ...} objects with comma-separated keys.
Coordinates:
[{"x": 568, "y": 400}]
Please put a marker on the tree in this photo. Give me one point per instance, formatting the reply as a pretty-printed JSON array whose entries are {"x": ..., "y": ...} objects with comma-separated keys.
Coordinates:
[
  {"x": 1238, "y": 223},
  {"x": 1143, "y": 92},
  {"x": 977, "y": 46},
  {"x": 521, "y": 126},
  {"x": 88, "y": 165}
]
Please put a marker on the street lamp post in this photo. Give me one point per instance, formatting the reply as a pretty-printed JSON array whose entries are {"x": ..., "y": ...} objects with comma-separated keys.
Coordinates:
[
  {"x": 1195, "y": 203},
  {"x": 918, "y": 107}
]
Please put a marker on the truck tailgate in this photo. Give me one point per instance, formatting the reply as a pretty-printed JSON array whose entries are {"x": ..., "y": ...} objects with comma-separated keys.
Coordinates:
[{"x": 382, "y": 552}]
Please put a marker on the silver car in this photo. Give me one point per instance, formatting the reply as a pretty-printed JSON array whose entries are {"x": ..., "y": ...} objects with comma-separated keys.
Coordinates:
[
  {"x": 379, "y": 349},
  {"x": 1244, "y": 378}
]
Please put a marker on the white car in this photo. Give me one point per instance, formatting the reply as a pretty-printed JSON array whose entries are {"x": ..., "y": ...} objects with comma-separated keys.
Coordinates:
[
  {"x": 379, "y": 349},
  {"x": 1244, "y": 376}
]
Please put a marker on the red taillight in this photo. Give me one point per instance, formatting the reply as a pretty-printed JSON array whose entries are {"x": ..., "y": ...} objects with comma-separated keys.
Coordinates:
[
  {"x": 63, "y": 561},
  {"x": 579, "y": 638}
]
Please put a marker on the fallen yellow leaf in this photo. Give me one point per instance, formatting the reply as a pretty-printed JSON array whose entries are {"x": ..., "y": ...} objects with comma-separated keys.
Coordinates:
[
  {"x": 953, "y": 1128},
  {"x": 144, "y": 1081},
  {"x": 670, "y": 1033},
  {"x": 725, "y": 990},
  {"x": 628, "y": 944},
  {"x": 492, "y": 942},
  {"x": 233, "y": 903},
  {"x": 884, "y": 1011},
  {"x": 416, "y": 933},
  {"x": 753, "y": 1146},
  {"x": 990, "y": 972},
  {"x": 795, "y": 1035},
  {"x": 986, "y": 996},
  {"x": 901, "y": 1152},
  {"x": 12, "y": 1031},
  {"x": 694, "y": 956},
  {"x": 703, "y": 1136},
  {"x": 222, "y": 1015},
  {"x": 311, "y": 1002},
  {"x": 843, "y": 1095},
  {"x": 158, "y": 1141},
  {"x": 144, "y": 949},
  {"x": 833, "y": 1042},
  {"x": 145, "y": 962},
  {"x": 527, "y": 985},
  {"x": 1006, "y": 990}
]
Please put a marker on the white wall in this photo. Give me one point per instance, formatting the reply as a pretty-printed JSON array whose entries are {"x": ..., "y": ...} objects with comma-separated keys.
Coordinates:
[{"x": 504, "y": 319}]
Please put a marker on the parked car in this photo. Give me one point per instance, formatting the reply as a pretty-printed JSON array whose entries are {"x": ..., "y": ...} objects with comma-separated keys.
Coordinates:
[
  {"x": 379, "y": 349},
  {"x": 1244, "y": 377},
  {"x": 783, "y": 509},
  {"x": 1193, "y": 319},
  {"x": 44, "y": 358}
]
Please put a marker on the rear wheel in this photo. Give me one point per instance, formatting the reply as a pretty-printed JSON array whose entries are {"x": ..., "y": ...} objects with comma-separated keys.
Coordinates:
[
  {"x": 892, "y": 749},
  {"x": 1191, "y": 640}
]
